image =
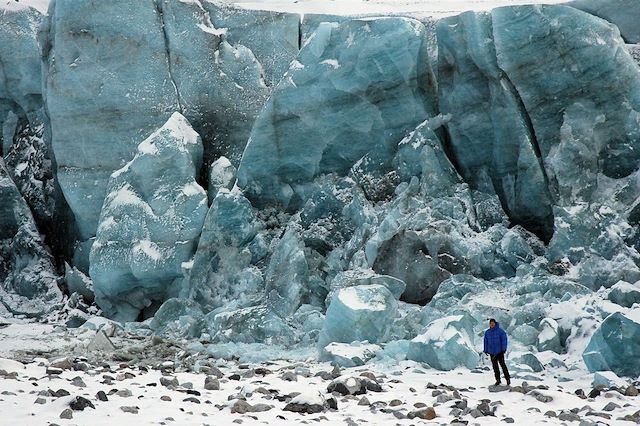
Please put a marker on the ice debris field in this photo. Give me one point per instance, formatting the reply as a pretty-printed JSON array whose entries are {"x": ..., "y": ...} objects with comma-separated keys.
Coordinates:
[{"x": 318, "y": 205}]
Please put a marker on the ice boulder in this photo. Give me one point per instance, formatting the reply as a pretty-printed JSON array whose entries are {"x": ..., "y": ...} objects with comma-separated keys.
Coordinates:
[
  {"x": 255, "y": 324},
  {"x": 364, "y": 312},
  {"x": 356, "y": 277},
  {"x": 222, "y": 272},
  {"x": 549, "y": 337},
  {"x": 354, "y": 90},
  {"x": 349, "y": 354},
  {"x": 28, "y": 279},
  {"x": 615, "y": 345},
  {"x": 446, "y": 344},
  {"x": 150, "y": 222},
  {"x": 625, "y": 294},
  {"x": 178, "y": 318},
  {"x": 622, "y": 13}
]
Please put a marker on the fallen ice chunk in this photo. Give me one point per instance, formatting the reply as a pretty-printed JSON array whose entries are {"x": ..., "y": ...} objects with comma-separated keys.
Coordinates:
[
  {"x": 625, "y": 294},
  {"x": 447, "y": 343},
  {"x": 362, "y": 312},
  {"x": 615, "y": 345},
  {"x": 349, "y": 355}
]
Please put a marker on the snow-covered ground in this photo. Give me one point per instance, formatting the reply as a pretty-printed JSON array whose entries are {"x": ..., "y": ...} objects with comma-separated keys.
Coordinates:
[{"x": 146, "y": 392}]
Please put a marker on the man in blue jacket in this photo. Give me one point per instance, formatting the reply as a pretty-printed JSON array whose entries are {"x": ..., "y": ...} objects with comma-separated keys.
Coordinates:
[{"x": 495, "y": 345}]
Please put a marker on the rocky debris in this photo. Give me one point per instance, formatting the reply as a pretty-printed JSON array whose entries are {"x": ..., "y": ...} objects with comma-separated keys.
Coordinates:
[
  {"x": 631, "y": 390},
  {"x": 80, "y": 403},
  {"x": 242, "y": 407},
  {"x": 211, "y": 383},
  {"x": 101, "y": 396},
  {"x": 171, "y": 383},
  {"x": 425, "y": 414},
  {"x": 130, "y": 409},
  {"x": 67, "y": 413}
]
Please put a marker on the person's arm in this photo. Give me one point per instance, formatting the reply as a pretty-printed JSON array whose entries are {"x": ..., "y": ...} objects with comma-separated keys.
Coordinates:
[
  {"x": 486, "y": 343},
  {"x": 503, "y": 341}
]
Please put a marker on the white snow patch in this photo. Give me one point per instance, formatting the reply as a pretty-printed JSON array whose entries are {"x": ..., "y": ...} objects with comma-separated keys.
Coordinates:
[
  {"x": 333, "y": 63},
  {"x": 354, "y": 299}
]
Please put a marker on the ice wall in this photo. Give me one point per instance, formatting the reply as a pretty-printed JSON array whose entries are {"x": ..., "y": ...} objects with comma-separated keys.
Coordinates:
[{"x": 255, "y": 178}]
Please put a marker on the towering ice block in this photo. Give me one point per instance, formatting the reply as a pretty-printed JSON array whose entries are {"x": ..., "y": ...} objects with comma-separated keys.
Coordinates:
[
  {"x": 150, "y": 222},
  {"x": 491, "y": 139},
  {"x": 581, "y": 91},
  {"x": 354, "y": 90}
]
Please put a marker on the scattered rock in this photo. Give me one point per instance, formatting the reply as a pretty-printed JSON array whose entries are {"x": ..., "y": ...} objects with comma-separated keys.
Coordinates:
[
  {"x": 610, "y": 406},
  {"x": 425, "y": 414},
  {"x": 102, "y": 396},
  {"x": 130, "y": 409},
  {"x": 62, "y": 363},
  {"x": 364, "y": 401},
  {"x": 211, "y": 383},
  {"x": 631, "y": 391},
  {"x": 80, "y": 403},
  {"x": 124, "y": 393},
  {"x": 67, "y": 413},
  {"x": 169, "y": 382},
  {"x": 192, "y": 399},
  {"x": 568, "y": 416}
]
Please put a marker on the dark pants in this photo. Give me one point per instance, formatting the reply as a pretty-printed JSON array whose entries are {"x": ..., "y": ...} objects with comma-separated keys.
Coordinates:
[{"x": 499, "y": 358}]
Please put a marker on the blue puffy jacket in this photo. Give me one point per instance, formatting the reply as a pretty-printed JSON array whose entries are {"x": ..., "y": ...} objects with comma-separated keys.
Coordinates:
[{"x": 495, "y": 340}]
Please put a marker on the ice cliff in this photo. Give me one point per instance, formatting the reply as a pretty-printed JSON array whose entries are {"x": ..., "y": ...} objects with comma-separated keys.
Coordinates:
[{"x": 253, "y": 177}]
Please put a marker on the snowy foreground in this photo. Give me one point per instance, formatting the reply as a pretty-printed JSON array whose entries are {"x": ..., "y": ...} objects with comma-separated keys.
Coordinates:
[{"x": 45, "y": 373}]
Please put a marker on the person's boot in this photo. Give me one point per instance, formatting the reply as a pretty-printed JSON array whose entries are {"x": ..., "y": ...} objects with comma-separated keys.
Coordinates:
[
  {"x": 508, "y": 381},
  {"x": 498, "y": 383}
]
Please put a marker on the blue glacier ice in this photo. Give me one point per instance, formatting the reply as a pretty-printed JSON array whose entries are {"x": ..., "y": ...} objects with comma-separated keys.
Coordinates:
[
  {"x": 150, "y": 222},
  {"x": 625, "y": 294},
  {"x": 490, "y": 133},
  {"x": 116, "y": 71},
  {"x": 359, "y": 313},
  {"x": 446, "y": 344},
  {"x": 357, "y": 188},
  {"x": 372, "y": 81},
  {"x": 614, "y": 345}
]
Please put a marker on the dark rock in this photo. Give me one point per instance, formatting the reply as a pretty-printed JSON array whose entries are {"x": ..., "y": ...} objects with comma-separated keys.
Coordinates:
[
  {"x": 102, "y": 396},
  {"x": 235, "y": 377},
  {"x": 425, "y": 414},
  {"x": 595, "y": 393},
  {"x": 631, "y": 391},
  {"x": 567, "y": 416},
  {"x": 211, "y": 383},
  {"x": 305, "y": 408},
  {"x": 332, "y": 403},
  {"x": 192, "y": 399},
  {"x": 610, "y": 406},
  {"x": 67, "y": 413},
  {"x": 130, "y": 409},
  {"x": 60, "y": 393},
  {"x": 80, "y": 403},
  {"x": 171, "y": 383}
]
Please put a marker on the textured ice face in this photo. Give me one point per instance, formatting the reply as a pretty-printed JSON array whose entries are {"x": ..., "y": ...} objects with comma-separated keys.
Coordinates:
[
  {"x": 150, "y": 222},
  {"x": 363, "y": 312},
  {"x": 354, "y": 90},
  {"x": 615, "y": 345}
]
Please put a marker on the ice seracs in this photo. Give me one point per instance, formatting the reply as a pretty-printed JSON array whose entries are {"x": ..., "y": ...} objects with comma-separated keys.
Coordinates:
[{"x": 150, "y": 222}]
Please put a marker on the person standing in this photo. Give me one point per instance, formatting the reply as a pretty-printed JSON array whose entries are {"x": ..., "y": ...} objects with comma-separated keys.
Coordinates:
[{"x": 495, "y": 345}]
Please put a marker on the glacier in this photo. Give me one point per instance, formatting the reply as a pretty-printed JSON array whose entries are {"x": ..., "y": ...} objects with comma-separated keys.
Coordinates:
[{"x": 367, "y": 188}]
